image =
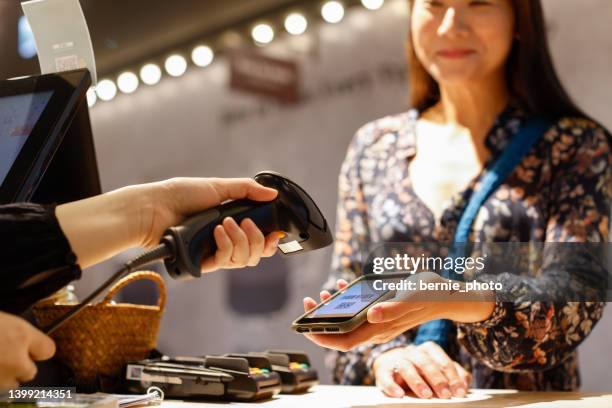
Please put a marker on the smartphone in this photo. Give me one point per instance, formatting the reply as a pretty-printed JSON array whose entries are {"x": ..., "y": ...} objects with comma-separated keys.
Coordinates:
[{"x": 345, "y": 311}]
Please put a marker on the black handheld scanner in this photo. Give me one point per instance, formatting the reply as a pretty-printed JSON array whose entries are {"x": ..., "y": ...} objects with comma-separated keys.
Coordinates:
[
  {"x": 293, "y": 212},
  {"x": 183, "y": 247}
]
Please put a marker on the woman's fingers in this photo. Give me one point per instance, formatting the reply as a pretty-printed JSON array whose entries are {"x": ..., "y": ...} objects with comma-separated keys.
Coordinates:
[
  {"x": 224, "y": 251},
  {"x": 26, "y": 370},
  {"x": 324, "y": 295},
  {"x": 241, "y": 245},
  {"x": 429, "y": 370},
  {"x": 385, "y": 381},
  {"x": 412, "y": 367},
  {"x": 42, "y": 347},
  {"x": 271, "y": 244},
  {"x": 239, "y": 188},
  {"x": 412, "y": 378},
  {"x": 464, "y": 375},
  {"x": 240, "y": 255},
  {"x": 447, "y": 366},
  {"x": 309, "y": 304},
  {"x": 255, "y": 239}
]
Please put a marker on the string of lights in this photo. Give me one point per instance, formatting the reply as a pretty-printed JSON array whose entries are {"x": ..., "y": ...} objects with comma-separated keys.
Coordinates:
[{"x": 262, "y": 33}]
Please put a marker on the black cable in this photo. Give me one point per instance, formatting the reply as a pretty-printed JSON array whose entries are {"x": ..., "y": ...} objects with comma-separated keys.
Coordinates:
[{"x": 161, "y": 251}]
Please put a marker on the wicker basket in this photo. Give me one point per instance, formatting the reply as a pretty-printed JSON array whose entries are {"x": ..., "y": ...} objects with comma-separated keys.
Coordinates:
[{"x": 99, "y": 341}]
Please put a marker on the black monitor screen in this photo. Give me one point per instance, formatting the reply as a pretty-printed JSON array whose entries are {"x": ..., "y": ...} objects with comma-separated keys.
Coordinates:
[
  {"x": 18, "y": 116},
  {"x": 46, "y": 146}
]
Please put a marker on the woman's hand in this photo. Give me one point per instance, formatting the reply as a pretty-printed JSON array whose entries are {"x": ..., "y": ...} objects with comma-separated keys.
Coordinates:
[
  {"x": 366, "y": 333},
  {"x": 426, "y": 370},
  {"x": 20, "y": 345},
  {"x": 408, "y": 309},
  {"x": 102, "y": 226}
]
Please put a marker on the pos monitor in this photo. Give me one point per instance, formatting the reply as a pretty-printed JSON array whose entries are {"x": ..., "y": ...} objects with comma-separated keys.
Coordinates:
[{"x": 46, "y": 145}]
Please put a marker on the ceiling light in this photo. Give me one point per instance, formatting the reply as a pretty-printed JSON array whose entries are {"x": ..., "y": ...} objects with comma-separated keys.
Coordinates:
[
  {"x": 106, "y": 90},
  {"x": 175, "y": 65},
  {"x": 127, "y": 82},
  {"x": 332, "y": 12},
  {"x": 202, "y": 55},
  {"x": 296, "y": 24},
  {"x": 262, "y": 33},
  {"x": 150, "y": 74},
  {"x": 372, "y": 4}
]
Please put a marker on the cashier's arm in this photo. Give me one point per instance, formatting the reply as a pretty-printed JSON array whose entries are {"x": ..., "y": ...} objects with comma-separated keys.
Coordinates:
[{"x": 102, "y": 226}]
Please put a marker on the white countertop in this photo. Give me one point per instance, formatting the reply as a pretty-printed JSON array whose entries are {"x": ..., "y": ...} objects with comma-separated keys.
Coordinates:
[{"x": 324, "y": 396}]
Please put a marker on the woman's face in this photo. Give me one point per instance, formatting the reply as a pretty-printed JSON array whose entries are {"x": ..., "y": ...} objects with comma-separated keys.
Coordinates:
[{"x": 460, "y": 41}]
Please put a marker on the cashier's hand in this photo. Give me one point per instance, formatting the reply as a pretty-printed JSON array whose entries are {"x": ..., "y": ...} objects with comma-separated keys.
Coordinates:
[
  {"x": 387, "y": 320},
  {"x": 425, "y": 370},
  {"x": 102, "y": 226},
  {"x": 238, "y": 245},
  {"x": 21, "y": 344}
]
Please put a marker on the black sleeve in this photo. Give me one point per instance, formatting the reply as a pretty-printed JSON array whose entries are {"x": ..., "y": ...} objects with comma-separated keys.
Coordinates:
[{"x": 35, "y": 255}]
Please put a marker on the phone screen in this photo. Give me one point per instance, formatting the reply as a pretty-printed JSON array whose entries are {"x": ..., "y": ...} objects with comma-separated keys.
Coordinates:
[{"x": 353, "y": 300}]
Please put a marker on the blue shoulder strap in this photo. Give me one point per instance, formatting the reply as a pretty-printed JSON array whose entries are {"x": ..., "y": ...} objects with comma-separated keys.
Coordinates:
[{"x": 492, "y": 178}]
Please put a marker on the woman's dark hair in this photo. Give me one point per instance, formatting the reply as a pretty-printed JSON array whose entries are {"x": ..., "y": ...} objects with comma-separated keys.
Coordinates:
[{"x": 531, "y": 76}]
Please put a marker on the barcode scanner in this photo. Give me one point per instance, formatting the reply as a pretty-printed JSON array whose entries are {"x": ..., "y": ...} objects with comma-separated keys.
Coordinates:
[
  {"x": 293, "y": 212},
  {"x": 183, "y": 247}
]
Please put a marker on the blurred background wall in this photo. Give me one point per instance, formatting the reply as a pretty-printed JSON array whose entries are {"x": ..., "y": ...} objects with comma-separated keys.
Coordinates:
[{"x": 194, "y": 125}]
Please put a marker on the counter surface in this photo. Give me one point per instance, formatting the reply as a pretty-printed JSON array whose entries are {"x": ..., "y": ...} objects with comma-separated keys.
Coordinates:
[{"x": 324, "y": 396}]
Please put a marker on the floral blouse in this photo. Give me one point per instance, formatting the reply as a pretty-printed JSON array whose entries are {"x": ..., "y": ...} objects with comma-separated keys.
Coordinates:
[{"x": 560, "y": 192}]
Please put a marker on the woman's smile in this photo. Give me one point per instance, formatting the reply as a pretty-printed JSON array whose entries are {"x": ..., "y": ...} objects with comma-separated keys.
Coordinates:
[{"x": 456, "y": 53}]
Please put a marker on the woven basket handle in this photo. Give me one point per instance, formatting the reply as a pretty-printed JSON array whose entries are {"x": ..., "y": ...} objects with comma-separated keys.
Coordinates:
[{"x": 135, "y": 276}]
